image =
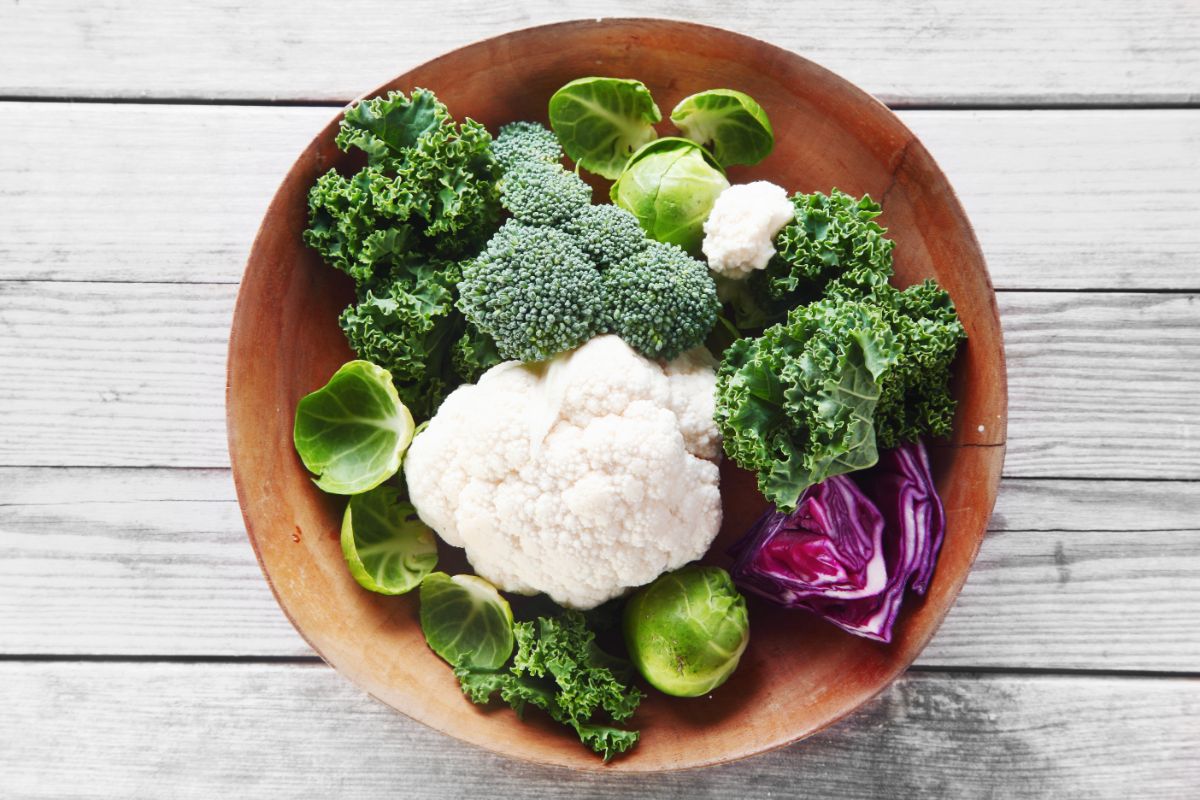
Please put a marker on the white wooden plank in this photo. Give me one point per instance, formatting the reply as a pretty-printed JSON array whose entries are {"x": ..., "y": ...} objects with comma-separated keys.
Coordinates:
[
  {"x": 1102, "y": 385},
  {"x": 1060, "y": 199},
  {"x": 1074, "y": 574},
  {"x": 252, "y": 730},
  {"x": 1017, "y": 51}
]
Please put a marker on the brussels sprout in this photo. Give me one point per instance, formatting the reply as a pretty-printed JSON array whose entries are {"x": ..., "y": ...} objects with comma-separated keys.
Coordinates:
[
  {"x": 687, "y": 630},
  {"x": 387, "y": 549},
  {"x": 670, "y": 185},
  {"x": 730, "y": 123},
  {"x": 602, "y": 121},
  {"x": 466, "y": 621},
  {"x": 353, "y": 431}
]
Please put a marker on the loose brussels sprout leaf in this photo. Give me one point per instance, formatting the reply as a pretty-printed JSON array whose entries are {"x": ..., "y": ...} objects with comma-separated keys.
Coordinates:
[
  {"x": 670, "y": 185},
  {"x": 353, "y": 431},
  {"x": 466, "y": 621},
  {"x": 727, "y": 122},
  {"x": 687, "y": 631},
  {"x": 602, "y": 121},
  {"x": 387, "y": 548}
]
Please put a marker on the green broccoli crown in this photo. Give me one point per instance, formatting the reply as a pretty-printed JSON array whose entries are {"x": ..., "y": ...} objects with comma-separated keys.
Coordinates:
[
  {"x": 521, "y": 142},
  {"x": 607, "y": 233},
  {"x": 533, "y": 291},
  {"x": 660, "y": 300},
  {"x": 538, "y": 193}
]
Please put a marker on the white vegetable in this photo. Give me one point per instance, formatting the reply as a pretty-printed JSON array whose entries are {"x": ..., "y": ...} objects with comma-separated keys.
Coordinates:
[
  {"x": 739, "y": 234},
  {"x": 581, "y": 477}
]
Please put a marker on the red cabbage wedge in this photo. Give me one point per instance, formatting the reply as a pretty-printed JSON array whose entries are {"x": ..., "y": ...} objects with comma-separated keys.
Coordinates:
[{"x": 824, "y": 557}]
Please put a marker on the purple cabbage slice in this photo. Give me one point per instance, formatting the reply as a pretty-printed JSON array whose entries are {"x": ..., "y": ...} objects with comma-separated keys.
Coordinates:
[
  {"x": 830, "y": 546},
  {"x": 787, "y": 557}
]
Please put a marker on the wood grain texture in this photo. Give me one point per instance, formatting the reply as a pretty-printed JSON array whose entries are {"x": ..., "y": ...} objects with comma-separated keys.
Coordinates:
[
  {"x": 1021, "y": 51},
  {"x": 1102, "y": 385},
  {"x": 208, "y": 730},
  {"x": 1059, "y": 199},
  {"x": 1073, "y": 574}
]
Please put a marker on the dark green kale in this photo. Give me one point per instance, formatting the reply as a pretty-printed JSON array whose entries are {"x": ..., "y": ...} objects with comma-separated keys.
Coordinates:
[
  {"x": 559, "y": 668},
  {"x": 399, "y": 226}
]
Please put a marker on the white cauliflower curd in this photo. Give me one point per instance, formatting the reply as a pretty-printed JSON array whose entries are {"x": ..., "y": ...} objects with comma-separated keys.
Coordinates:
[
  {"x": 580, "y": 477},
  {"x": 739, "y": 234}
]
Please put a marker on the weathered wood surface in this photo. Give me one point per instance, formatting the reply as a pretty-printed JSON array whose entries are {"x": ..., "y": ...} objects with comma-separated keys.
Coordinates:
[
  {"x": 1059, "y": 199},
  {"x": 269, "y": 730},
  {"x": 998, "y": 52},
  {"x": 155, "y": 562},
  {"x": 1102, "y": 385}
]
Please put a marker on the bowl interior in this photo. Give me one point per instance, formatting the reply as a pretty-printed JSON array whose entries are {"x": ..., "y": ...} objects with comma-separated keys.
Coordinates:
[{"x": 798, "y": 674}]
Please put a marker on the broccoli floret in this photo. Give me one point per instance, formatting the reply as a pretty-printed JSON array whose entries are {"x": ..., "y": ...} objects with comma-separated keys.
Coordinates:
[
  {"x": 543, "y": 194},
  {"x": 607, "y": 233},
  {"x": 660, "y": 300},
  {"x": 533, "y": 291},
  {"x": 521, "y": 142}
]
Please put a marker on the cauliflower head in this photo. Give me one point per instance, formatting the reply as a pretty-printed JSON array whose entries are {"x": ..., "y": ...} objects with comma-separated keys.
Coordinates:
[
  {"x": 739, "y": 234},
  {"x": 580, "y": 477}
]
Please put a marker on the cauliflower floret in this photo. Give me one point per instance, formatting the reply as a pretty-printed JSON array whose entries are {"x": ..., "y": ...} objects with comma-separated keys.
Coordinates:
[
  {"x": 739, "y": 234},
  {"x": 580, "y": 477}
]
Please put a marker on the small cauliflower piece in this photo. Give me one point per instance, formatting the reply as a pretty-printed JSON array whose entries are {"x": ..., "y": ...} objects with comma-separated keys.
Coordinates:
[
  {"x": 739, "y": 234},
  {"x": 580, "y": 477}
]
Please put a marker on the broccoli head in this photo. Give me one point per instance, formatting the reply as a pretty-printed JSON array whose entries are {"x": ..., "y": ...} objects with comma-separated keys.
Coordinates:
[
  {"x": 660, "y": 300},
  {"x": 521, "y": 142},
  {"x": 539, "y": 193},
  {"x": 533, "y": 291},
  {"x": 607, "y": 233}
]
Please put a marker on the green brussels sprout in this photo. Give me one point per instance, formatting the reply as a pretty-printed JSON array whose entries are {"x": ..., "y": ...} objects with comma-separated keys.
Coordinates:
[
  {"x": 466, "y": 621},
  {"x": 687, "y": 631},
  {"x": 670, "y": 185},
  {"x": 353, "y": 431},
  {"x": 602, "y": 121},
  {"x": 729, "y": 123},
  {"x": 387, "y": 547}
]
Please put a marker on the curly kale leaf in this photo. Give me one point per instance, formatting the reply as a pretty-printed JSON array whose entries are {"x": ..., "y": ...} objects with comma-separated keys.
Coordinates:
[
  {"x": 559, "y": 668},
  {"x": 385, "y": 127},
  {"x": 797, "y": 404},
  {"x": 410, "y": 327},
  {"x": 916, "y": 398},
  {"x": 426, "y": 200},
  {"x": 428, "y": 191},
  {"x": 832, "y": 237}
]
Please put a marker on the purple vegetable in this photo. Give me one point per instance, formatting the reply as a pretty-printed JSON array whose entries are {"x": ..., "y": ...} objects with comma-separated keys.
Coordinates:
[
  {"x": 830, "y": 546},
  {"x": 823, "y": 556}
]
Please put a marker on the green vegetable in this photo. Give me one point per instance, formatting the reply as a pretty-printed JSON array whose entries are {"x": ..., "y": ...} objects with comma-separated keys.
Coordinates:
[
  {"x": 539, "y": 193},
  {"x": 606, "y": 233},
  {"x": 915, "y": 400},
  {"x": 560, "y": 669},
  {"x": 428, "y": 191},
  {"x": 521, "y": 142},
  {"x": 660, "y": 300},
  {"x": 426, "y": 199},
  {"x": 687, "y": 631},
  {"x": 796, "y": 405},
  {"x": 387, "y": 548},
  {"x": 409, "y": 328},
  {"x": 353, "y": 431},
  {"x": 533, "y": 291},
  {"x": 833, "y": 237},
  {"x": 670, "y": 185},
  {"x": 601, "y": 122},
  {"x": 729, "y": 123},
  {"x": 466, "y": 621}
]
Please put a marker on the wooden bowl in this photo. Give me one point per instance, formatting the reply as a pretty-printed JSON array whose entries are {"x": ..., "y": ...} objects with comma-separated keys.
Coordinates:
[{"x": 799, "y": 674}]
